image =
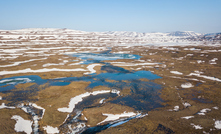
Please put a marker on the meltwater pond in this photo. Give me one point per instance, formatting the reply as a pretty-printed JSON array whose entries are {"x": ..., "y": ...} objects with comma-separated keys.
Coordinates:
[{"x": 96, "y": 58}]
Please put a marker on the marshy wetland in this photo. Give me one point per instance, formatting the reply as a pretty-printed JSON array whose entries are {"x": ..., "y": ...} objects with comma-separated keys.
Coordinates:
[{"x": 71, "y": 88}]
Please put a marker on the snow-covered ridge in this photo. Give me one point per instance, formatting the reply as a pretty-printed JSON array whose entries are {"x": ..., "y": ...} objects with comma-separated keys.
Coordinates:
[
  {"x": 157, "y": 34},
  {"x": 184, "y": 33},
  {"x": 35, "y": 31},
  {"x": 42, "y": 36}
]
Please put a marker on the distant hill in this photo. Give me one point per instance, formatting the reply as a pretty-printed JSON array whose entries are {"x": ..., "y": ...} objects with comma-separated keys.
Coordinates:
[
  {"x": 137, "y": 34},
  {"x": 184, "y": 33},
  {"x": 53, "y": 35}
]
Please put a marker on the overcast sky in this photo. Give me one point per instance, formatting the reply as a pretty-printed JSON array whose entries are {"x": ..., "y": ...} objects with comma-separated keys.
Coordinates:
[{"x": 202, "y": 16}]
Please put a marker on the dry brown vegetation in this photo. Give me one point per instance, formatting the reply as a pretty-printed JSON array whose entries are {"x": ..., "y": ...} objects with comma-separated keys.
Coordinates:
[{"x": 204, "y": 94}]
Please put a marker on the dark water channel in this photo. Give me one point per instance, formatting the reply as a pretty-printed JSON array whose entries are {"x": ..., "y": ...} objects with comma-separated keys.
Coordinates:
[{"x": 144, "y": 94}]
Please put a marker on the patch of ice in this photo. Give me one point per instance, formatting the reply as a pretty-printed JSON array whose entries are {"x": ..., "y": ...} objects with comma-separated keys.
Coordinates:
[
  {"x": 22, "y": 125},
  {"x": 122, "y": 52},
  {"x": 51, "y": 130},
  {"x": 76, "y": 129},
  {"x": 12, "y": 50},
  {"x": 132, "y": 64},
  {"x": 205, "y": 132},
  {"x": 85, "y": 118},
  {"x": 206, "y": 77},
  {"x": 34, "y": 52},
  {"x": 115, "y": 91},
  {"x": 189, "y": 55},
  {"x": 4, "y": 106},
  {"x": 16, "y": 81},
  {"x": 39, "y": 107},
  {"x": 78, "y": 63},
  {"x": 213, "y": 61},
  {"x": 102, "y": 101},
  {"x": 176, "y": 72},
  {"x": 218, "y": 124},
  {"x": 185, "y": 104},
  {"x": 200, "y": 61},
  {"x": 203, "y": 111},
  {"x": 52, "y": 64},
  {"x": 35, "y": 124},
  {"x": 186, "y": 85},
  {"x": 91, "y": 68},
  {"x": 180, "y": 58},
  {"x": 75, "y": 100},
  {"x": 192, "y": 49},
  {"x": 176, "y": 108},
  {"x": 138, "y": 68},
  {"x": 111, "y": 117},
  {"x": 20, "y": 62},
  {"x": 187, "y": 117},
  {"x": 216, "y": 108},
  {"x": 141, "y": 115},
  {"x": 28, "y": 70},
  {"x": 196, "y": 126},
  {"x": 198, "y": 72},
  {"x": 201, "y": 114},
  {"x": 119, "y": 123}
]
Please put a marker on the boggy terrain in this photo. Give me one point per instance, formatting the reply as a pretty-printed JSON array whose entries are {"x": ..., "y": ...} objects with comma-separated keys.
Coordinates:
[
  {"x": 50, "y": 89},
  {"x": 190, "y": 82}
]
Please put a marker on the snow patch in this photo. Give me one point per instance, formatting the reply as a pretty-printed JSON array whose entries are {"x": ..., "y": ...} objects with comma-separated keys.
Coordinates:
[
  {"x": 216, "y": 108},
  {"x": 22, "y": 125},
  {"x": 52, "y": 64},
  {"x": 218, "y": 124},
  {"x": 91, "y": 68},
  {"x": 213, "y": 61},
  {"x": 102, "y": 101},
  {"x": 185, "y": 104},
  {"x": 176, "y": 72},
  {"x": 200, "y": 61},
  {"x": 189, "y": 55},
  {"x": 186, "y": 85},
  {"x": 196, "y": 126},
  {"x": 115, "y": 91},
  {"x": 132, "y": 64},
  {"x": 176, "y": 108},
  {"x": 20, "y": 62},
  {"x": 75, "y": 100},
  {"x": 203, "y": 111},
  {"x": 51, "y": 130},
  {"x": 4, "y": 106},
  {"x": 206, "y": 77},
  {"x": 187, "y": 117},
  {"x": 15, "y": 81},
  {"x": 111, "y": 117},
  {"x": 28, "y": 70}
]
